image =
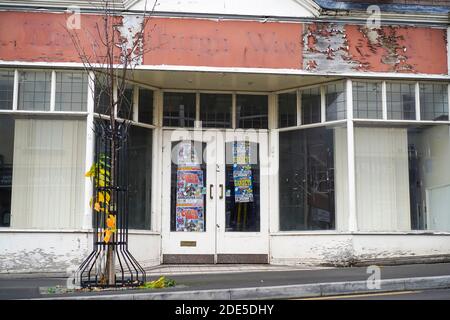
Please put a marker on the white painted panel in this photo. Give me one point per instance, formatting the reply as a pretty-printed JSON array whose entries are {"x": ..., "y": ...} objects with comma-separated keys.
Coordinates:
[
  {"x": 35, "y": 251},
  {"x": 310, "y": 248},
  {"x": 344, "y": 249},
  {"x": 48, "y": 174},
  {"x": 288, "y": 8},
  {"x": 382, "y": 179}
]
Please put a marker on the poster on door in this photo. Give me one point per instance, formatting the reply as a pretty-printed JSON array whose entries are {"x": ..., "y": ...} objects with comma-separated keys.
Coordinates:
[
  {"x": 190, "y": 197},
  {"x": 242, "y": 172}
]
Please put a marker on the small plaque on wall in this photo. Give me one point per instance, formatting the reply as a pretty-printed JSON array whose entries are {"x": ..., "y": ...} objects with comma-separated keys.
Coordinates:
[{"x": 188, "y": 243}]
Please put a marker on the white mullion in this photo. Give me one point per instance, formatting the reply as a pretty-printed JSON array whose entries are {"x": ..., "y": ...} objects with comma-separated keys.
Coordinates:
[
  {"x": 299, "y": 107},
  {"x": 448, "y": 98},
  {"x": 197, "y": 109},
  {"x": 115, "y": 97},
  {"x": 323, "y": 113},
  {"x": 349, "y": 98},
  {"x": 384, "y": 100},
  {"x": 158, "y": 108},
  {"x": 90, "y": 146},
  {"x": 352, "y": 219},
  {"x": 16, "y": 90},
  {"x": 273, "y": 111},
  {"x": 417, "y": 97},
  {"x": 53, "y": 91},
  {"x": 136, "y": 103}
]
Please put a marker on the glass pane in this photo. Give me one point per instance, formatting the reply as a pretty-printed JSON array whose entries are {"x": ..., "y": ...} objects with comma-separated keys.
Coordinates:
[
  {"x": 434, "y": 101},
  {"x": 367, "y": 100},
  {"x": 215, "y": 110},
  {"x": 401, "y": 101},
  {"x": 188, "y": 189},
  {"x": 34, "y": 91},
  {"x": 402, "y": 178},
  {"x": 287, "y": 109},
  {"x": 6, "y": 89},
  {"x": 307, "y": 178},
  {"x": 139, "y": 177},
  {"x": 125, "y": 105},
  {"x": 145, "y": 106},
  {"x": 179, "y": 109},
  {"x": 102, "y": 99},
  {"x": 242, "y": 185},
  {"x": 252, "y": 111},
  {"x": 71, "y": 91},
  {"x": 6, "y": 168},
  {"x": 335, "y": 101},
  {"x": 311, "y": 106}
]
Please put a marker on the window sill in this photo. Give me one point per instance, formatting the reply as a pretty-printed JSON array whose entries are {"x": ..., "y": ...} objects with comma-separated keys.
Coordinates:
[
  {"x": 369, "y": 233},
  {"x": 11, "y": 230}
]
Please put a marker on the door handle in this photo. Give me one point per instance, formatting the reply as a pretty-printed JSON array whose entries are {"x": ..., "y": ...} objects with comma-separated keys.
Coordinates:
[
  {"x": 211, "y": 192},
  {"x": 221, "y": 191}
]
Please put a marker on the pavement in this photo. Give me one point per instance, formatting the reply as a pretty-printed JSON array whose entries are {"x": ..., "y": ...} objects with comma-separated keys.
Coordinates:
[
  {"x": 251, "y": 282},
  {"x": 436, "y": 294}
]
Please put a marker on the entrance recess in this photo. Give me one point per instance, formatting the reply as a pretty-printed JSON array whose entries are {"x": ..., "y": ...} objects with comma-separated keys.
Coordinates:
[{"x": 215, "y": 197}]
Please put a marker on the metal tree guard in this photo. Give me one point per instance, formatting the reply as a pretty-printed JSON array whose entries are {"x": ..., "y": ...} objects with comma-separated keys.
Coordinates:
[{"x": 110, "y": 213}]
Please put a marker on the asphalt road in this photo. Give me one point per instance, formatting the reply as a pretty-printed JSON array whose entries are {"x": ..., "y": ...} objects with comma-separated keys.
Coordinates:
[
  {"x": 438, "y": 294},
  {"x": 15, "y": 288}
]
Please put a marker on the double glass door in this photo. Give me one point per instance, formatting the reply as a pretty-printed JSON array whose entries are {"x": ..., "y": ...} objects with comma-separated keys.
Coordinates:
[{"x": 215, "y": 197}]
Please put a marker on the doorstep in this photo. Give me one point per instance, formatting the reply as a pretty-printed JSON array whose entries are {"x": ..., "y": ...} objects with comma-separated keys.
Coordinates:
[{"x": 177, "y": 269}]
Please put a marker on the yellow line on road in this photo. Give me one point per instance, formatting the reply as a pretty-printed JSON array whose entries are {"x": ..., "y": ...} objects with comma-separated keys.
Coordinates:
[{"x": 361, "y": 295}]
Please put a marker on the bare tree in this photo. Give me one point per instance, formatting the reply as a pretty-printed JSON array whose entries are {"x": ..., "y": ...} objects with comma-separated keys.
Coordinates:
[{"x": 109, "y": 53}]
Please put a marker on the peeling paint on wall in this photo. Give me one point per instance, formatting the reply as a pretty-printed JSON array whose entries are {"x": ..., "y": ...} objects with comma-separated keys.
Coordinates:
[
  {"x": 315, "y": 47},
  {"x": 132, "y": 39},
  {"x": 325, "y": 48},
  {"x": 352, "y": 48}
]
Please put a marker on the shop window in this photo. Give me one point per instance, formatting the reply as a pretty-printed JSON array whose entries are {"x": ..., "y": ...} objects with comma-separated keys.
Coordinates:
[
  {"x": 71, "y": 91},
  {"x": 311, "y": 106},
  {"x": 34, "y": 90},
  {"x": 252, "y": 111},
  {"x": 139, "y": 177},
  {"x": 6, "y": 89},
  {"x": 401, "y": 101},
  {"x": 335, "y": 101},
  {"x": 367, "y": 100},
  {"x": 179, "y": 109},
  {"x": 6, "y": 168},
  {"x": 434, "y": 101},
  {"x": 145, "y": 106},
  {"x": 287, "y": 109},
  {"x": 125, "y": 103},
  {"x": 402, "y": 180},
  {"x": 307, "y": 184},
  {"x": 215, "y": 110},
  {"x": 48, "y": 174}
]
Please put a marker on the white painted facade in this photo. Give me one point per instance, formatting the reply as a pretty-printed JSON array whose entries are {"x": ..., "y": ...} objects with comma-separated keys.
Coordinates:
[{"x": 372, "y": 188}]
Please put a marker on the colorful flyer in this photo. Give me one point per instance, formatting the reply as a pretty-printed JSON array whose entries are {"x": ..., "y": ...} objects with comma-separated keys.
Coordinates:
[
  {"x": 190, "y": 190},
  {"x": 242, "y": 172}
]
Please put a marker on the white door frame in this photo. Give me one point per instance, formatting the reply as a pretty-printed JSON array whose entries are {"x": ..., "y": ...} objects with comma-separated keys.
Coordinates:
[
  {"x": 215, "y": 241},
  {"x": 247, "y": 243}
]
